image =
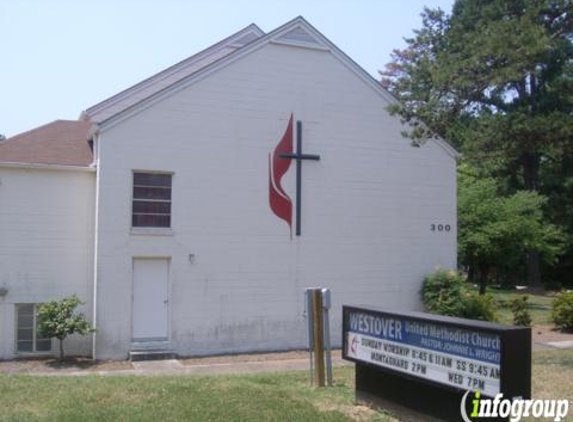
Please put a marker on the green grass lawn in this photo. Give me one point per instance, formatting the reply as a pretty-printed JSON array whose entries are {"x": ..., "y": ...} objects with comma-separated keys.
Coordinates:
[{"x": 268, "y": 397}]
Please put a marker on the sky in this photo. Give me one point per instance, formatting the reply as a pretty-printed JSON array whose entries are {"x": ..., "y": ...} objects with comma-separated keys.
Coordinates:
[{"x": 59, "y": 57}]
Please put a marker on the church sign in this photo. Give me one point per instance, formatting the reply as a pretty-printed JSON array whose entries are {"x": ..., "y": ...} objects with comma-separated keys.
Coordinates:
[{"x": 434, "y": 353}]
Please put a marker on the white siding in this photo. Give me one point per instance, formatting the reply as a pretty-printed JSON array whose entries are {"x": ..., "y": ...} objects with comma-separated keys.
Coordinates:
[
  {"x": 367, "y": 205},
  {"x": 46, "y": 243}
]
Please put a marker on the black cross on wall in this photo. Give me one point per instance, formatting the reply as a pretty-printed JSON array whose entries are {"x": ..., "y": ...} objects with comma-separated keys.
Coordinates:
[{"x": 299, "y": 156}]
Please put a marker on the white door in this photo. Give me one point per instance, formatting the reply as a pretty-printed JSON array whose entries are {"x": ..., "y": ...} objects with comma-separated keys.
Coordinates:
[{"x": 150, "y": 299}]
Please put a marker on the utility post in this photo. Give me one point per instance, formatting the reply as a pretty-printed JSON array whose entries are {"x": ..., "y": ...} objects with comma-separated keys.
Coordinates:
[{"x": 317, "y": 305}]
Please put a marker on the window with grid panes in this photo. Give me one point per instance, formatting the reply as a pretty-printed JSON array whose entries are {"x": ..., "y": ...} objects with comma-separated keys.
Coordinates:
[
  {"x": 151, "y": 200},
  {"x": 28, "y": 340}
]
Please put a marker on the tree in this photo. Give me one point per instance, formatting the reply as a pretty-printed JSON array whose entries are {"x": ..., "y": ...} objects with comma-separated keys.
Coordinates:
[
  {"x": 58, "y": 319},
  {"x": 495, "y": 78},
  {"x": 497, "y": 231}
]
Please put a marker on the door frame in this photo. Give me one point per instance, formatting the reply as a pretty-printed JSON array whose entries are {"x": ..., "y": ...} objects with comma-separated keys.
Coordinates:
[{"x": 168, "y": 316}]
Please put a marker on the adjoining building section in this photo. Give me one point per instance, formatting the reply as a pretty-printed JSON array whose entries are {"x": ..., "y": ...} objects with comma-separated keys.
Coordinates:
[{"x": 191, "y": 210}]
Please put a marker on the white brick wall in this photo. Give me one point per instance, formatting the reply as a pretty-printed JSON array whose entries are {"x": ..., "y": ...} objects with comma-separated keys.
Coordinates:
[
  {"x": 367, "y": 205},
  {"x": 46, "y": 243}
]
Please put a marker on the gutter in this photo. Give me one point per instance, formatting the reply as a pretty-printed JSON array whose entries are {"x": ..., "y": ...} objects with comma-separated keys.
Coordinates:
[
  {"x": 42, "y": 166},
  {"x": 94, "y": 135}
]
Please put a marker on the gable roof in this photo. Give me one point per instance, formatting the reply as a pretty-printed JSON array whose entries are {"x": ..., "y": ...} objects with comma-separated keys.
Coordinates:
[
  {"x": 61, "y": 142},
  {"x": 150, "y": 86},
  {"x": 298, "y": 32}
]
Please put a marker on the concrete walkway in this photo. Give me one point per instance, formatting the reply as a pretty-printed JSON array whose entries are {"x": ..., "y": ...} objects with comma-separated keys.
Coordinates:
[
  {"x": 238, "y": 364},
  {"x": 176, "y": 367},
  {"x": 566, "y": 344}
]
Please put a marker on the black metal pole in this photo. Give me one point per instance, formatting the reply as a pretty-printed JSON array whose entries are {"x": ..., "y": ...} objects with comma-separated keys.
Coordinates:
[{"x": 298, "y": 176}]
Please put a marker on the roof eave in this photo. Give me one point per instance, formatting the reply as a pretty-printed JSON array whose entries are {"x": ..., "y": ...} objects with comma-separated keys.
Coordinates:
[{"x": 46, "y": 166}]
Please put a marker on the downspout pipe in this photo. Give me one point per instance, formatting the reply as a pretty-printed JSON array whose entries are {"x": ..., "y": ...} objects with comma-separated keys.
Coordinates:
[{"x": 94, "y": 135}]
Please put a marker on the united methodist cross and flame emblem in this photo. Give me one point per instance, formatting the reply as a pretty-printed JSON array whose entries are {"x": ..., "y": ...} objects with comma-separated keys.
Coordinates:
[
  {"x": 280, "y": 203},
  {"x": 279, "y": 163}
]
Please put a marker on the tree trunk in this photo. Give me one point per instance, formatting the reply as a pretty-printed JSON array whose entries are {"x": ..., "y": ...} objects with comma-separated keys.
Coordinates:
[
  {"x": 483, "y": 274},
  {"x": 61, "y": 350},
  {"x": 471, "y": 273},
  {"x": 534, "y": 269},
  {"x": 530, "y": 162}
]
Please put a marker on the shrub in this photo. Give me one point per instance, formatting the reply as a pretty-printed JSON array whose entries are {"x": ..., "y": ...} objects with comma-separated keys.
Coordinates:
[
  {"x": 521, "y": 314},
  {"x": 480, "y": 307},
  {"x": 445, "y": 293},
  {"x": 442, "y": 292},
  {"x": 563, "y": 311}
]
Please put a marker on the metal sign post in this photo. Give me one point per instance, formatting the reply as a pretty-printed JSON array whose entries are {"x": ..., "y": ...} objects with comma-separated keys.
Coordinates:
[
  {"x": 310, "y": 319},
  {"x": 326, "y": 333},
  {"x": 317, "y": 305}
]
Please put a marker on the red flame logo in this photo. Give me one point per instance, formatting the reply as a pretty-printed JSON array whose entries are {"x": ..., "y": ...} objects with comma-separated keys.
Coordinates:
[
  {"x": 354, "y": 345},
  {"x": 280, "y": 203}
]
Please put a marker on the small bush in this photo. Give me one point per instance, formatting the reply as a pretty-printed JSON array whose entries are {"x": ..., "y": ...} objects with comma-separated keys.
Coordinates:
[
  {"x": 563, "y": 311},
  {"x": 442, "y": 291},
  {"x": 521, "y": 314},
  {"x": 480, "y": 307},
  {"x": 445, "y": 293}
]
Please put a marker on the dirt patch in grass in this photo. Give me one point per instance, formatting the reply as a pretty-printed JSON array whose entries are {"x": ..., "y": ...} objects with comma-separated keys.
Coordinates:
[
  {"x": 51, "y": 365},
  {"x": 360, "y": 412}
]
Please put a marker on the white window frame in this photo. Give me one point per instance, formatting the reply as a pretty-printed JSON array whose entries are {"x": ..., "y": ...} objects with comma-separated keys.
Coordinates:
[{"x": 34, "y": 331}]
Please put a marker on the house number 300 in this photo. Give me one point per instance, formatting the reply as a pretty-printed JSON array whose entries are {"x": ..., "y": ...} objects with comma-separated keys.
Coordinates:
[{"x": 440, "y": 227}]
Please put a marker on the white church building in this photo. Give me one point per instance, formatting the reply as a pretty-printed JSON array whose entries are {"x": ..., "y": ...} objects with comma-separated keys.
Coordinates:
[{"x": 191, "y": 210}]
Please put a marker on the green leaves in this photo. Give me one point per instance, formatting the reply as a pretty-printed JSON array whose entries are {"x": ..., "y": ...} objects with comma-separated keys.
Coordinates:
[
  {"x": 495, "y": 79},
  {"x": 446, "y": 293},
  {"x": 521, "y": 316},
  {"x": 495, "y": 229},
  {"x": 563, "y": 311},
  {"x": 488, "y": 56},
  {"x": 442, "y": 292},
  {"x": 58, "y": 319}
]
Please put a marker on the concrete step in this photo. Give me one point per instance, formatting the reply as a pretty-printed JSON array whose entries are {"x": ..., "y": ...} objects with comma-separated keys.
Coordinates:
[{"x": 139, "y": 355}]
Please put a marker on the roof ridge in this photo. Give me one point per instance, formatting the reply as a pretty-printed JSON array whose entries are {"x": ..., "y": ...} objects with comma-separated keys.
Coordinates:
[{"x": 205, "y": 52}]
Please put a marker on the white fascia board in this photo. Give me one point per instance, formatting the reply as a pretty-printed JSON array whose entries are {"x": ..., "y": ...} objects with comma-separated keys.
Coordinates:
[{"x": 40, "y": 166}]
